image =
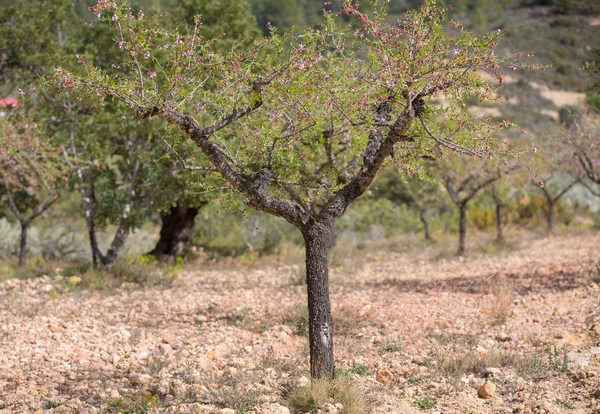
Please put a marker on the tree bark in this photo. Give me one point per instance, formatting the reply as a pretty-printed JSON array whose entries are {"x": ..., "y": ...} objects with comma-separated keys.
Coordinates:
[
  {"x": 425, "y": 224},
  {"x": 176, "y": 232},
  {"x": 462, "y": 230},
  {"x": 317, "y": 241},
  {"x": 550, "y": 218},
  {"x": 87, "y": 202},
  {"x": 23, "y": 244},
  {"x": 499, "y": 224},
  {"x": 116, "y": 247}
]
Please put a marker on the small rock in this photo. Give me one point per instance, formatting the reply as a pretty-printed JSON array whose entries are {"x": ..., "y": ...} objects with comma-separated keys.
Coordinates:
[
  {"x": 161, "y": 388},
  {"x": 419, "y": 360},
  {"x": 503, "y": 337},
  {"x": 303, "y": 381},
  {"x": 177, "y": 388},
  {"x": 383, "y": 376},
  {"x": 491, "y": 372},
  {"x": 486, "y": 390},
  {"x": 329, "y": 409},
  {"x": 227, "y": 411},
  {"x": 114, "y": 395},
  {"x": 140, "y": 380},
  {"x": 578, "y": 360},
  {"x": 596, "y": 393},
  {"x": 272, "y": 408}
]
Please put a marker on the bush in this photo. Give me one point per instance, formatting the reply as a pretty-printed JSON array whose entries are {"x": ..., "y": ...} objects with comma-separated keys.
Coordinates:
[{"x": 569, "y": 114}]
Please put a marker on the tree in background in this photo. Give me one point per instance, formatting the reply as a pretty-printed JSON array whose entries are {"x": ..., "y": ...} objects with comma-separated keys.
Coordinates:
[
  {"x": 501, "y": 191},
  {"x": 422, "y": 195},
  {"x": 557, "y": 175},
  {"x": 582, "y": 148},
  {"x": 228, "y": 24},
  {"x": 463, "y": 181},
  {"x": 300, "y": 126},
  {"x": 30, "y": 169}
]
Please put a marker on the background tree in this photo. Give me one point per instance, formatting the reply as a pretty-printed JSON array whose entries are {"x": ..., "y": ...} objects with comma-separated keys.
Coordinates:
[
  {"x": 558, "y": 176},
  {"x": 228, "y": 24},
  {"x": 30, "y": 169},
  {"x": 300, "y": 126},
  {"x": 501, "y": 191},
  {"x": 421, "y": 195},
  {"x": 582, "y": 148},
  {"x": 463, "y": 181}
]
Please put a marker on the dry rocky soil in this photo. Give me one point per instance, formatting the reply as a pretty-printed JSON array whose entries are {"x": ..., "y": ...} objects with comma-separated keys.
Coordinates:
[{"x": 514, "y": 332}]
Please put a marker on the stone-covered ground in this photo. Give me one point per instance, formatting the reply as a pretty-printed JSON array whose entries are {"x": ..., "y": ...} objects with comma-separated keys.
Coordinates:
[{"x": 415, "y": 332}]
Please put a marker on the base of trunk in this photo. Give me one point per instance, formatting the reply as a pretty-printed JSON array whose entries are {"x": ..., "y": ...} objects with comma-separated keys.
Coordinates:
[{"x": 177, "y": 231}]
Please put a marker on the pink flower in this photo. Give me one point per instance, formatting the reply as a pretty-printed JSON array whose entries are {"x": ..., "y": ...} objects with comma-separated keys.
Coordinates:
[{"x": 151, "y": 74}]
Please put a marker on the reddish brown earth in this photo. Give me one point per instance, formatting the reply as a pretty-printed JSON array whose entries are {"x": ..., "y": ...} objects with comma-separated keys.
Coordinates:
[{"x": 409, "y": 327}]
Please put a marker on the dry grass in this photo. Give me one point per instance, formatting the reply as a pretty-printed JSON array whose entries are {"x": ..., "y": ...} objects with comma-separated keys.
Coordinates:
[
  {"x": 499, "y": 308},
  {"x": 231, "y": 391},
  {"x": 320, "y": 392},
  {"x": 456, "y": 365}
]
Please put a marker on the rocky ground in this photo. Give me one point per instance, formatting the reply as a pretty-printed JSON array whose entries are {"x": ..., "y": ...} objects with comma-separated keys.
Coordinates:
[{"x": 516, "y": 332}]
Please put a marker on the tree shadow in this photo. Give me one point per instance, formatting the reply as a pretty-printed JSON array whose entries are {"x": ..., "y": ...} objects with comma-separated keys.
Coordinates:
[{"x": 520, "y": 283}]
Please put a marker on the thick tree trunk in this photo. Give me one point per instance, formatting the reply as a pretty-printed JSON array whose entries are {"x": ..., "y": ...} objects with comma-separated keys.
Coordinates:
[
  {"x": 462, "y": 230},
  {"x": 425, "y": 224},
  {"x": 550, "y": 218},
  {"x": 23, "y": 244},
  {"x": 176, "y": 232},
  {"x": 499, "y": 225},
  {"x": 318, "y": 240}
]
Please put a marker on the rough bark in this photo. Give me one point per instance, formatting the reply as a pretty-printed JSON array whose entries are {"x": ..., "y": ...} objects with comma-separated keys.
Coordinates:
[
  {"x": 462, "y": 230},
  {"x": 499, "y": 224},
  {"x": 177, "y": 231},
  {"x": 317, "y": 241},
  {"x": 23, "y": 244}
]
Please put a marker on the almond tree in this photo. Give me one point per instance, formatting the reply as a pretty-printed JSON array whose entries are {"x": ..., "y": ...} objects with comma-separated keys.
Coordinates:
[
  {"x": 501, "y": 191},
  {"x": 300, "y": 126},
  {"x": 582, "y": 147},
  {"x": 463, "y": 181},
  {"x": 558, "y": 174},
  {"x": 30, "y": 169}
]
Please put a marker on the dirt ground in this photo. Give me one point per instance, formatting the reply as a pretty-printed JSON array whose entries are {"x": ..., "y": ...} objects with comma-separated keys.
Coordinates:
[{"x": 415, "y": 332}]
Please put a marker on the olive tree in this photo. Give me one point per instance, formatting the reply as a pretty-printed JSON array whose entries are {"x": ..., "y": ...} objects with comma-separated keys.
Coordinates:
[{"x": 300, "y": 126}]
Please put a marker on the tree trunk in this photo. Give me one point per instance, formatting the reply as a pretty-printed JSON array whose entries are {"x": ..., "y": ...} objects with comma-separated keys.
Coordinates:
[
  {"x": 425, "y": 224},
  {"x": 176, "y": 232},
  {"x": 499, "y": 235},
  {"x": 462, "y": 230},
  {"x": 318, "y": 240},
  {"x": 116, "y": 246},
  {"x": 550, "y": 217},
  {"x": 87, "y": 200},
  {"x": 23, "y": 244}
]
